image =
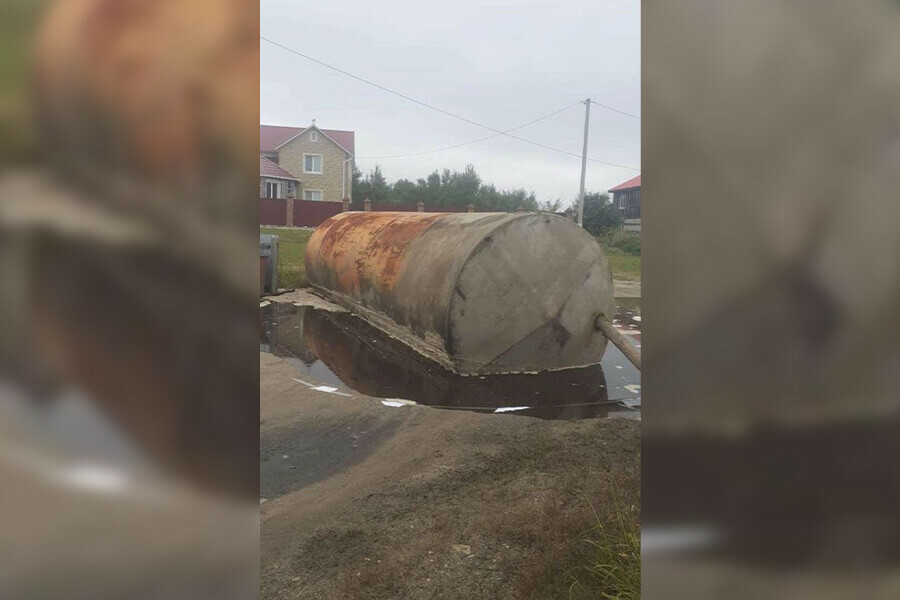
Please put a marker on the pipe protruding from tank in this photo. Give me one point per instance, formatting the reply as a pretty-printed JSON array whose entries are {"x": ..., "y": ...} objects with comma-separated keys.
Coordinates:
[{"x": 612, "y": 334}]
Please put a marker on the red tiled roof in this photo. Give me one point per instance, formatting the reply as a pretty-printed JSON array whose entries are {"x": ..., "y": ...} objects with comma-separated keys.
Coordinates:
[
  {"x": 272, "y": 136},
  {"x": 632, "y": 183},
  {"x": 269, "y": 169}
]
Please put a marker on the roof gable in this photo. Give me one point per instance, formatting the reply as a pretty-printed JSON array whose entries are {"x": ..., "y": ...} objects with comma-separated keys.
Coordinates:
[
  {"x": 634, "y": 182},
  {"x": 271, "y": 137}
]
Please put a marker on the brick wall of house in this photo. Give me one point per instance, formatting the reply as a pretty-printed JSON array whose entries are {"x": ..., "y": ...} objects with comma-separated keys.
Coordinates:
[{"x": 290, "y": 158}]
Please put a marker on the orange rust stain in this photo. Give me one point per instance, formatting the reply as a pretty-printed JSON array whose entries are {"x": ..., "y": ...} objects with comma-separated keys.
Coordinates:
[
  {"x": 355, "y": 251},
  {"x": 163, "y": 95}
]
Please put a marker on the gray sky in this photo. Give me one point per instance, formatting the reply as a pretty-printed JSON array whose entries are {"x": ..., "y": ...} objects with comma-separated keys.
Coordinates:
[{"x": 501, "y": 63}]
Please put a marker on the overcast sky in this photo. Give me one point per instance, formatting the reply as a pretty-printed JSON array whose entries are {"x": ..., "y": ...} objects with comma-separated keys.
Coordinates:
[{"x": 501, "y": 63}]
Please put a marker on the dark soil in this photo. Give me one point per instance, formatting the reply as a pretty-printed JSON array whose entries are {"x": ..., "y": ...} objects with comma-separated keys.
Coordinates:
[{"x": 415, "y": 502}]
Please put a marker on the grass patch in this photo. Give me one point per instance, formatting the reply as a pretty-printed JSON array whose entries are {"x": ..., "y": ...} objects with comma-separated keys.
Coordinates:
[
  {"x": 611, "y": 563},
  {"x": 623, "y": 250},
  {"x": 603, "y": 561},
  {"x": 624, "y": 266},
  {"x": 291, "y": 255}
]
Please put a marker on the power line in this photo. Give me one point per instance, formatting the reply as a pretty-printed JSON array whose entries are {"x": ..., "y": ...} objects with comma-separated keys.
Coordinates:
[
  {"x": 473, "y": 141},
  {"x": 435, "y": 108},
  {"x": 621, "y": 112}
]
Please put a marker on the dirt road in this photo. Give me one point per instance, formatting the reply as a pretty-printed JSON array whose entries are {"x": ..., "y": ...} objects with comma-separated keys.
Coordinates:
[
  {"x": 362, "y": 500},
  {"x": 627, "y": 289}
]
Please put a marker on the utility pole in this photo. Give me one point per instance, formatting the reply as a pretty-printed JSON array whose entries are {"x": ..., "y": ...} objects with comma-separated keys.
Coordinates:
[{"x": 587, "y": 120}]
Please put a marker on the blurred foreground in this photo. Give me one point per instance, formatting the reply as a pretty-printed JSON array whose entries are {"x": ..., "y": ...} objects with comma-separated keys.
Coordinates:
[
  {"x": 128, "y": 376},
  {"x": 771, "y": 299}
]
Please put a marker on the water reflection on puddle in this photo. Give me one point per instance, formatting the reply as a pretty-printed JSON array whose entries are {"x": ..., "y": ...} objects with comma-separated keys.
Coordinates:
[{"x": 338, "y": 349}]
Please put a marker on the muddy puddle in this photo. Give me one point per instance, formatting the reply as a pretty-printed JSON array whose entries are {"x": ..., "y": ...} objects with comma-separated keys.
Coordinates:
[{"x": 344, "y": 352}]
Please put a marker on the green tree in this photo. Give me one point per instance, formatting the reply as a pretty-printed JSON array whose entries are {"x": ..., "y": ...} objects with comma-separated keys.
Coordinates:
[
  {"x": 361, "y": 186},
  {"x": 453, "y": 190},
  {"x": 600, "y": 216},
  {"x": 405, "y": 192},
  {"x": 551, "y": 206},
  {"x": 379, "y": 189},
  {"x": 373, "y": 186}
]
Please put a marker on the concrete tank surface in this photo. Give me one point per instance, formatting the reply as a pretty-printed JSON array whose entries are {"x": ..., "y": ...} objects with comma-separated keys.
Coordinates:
[{"x": 476, "y": 292}]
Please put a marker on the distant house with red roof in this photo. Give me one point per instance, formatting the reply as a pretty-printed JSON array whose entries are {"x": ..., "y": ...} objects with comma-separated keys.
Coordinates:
[
  {"x": 627, "y": 198},
  {"x": 305, "y": 162}
]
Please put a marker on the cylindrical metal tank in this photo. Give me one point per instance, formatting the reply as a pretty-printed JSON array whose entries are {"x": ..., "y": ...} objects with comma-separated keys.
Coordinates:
[{"x": 476, "y": 292}]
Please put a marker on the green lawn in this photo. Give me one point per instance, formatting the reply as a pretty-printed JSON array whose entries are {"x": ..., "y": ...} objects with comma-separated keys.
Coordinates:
[
  {"x": 625, "y": 266},
  {"x": 291, "y": 255},
  {"x": 623, "y": 249}
]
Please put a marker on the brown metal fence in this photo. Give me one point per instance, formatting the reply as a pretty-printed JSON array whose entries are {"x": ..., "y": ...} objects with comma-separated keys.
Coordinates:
[
  {"x": 407, "y": 208},
  {"x": 281, "y": 212},
  {"x": 311, "y": 213},
  {"x": 273, "y": 211}
]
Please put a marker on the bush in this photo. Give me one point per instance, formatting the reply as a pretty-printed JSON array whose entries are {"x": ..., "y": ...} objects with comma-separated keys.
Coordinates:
[
  {"x": 600, "y": 216},
  {"x": 629, "y": 243},
  {"x": 618, "y": 241}
]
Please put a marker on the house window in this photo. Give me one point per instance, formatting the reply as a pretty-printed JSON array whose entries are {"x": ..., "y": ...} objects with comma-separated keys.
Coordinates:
[
  {"x": 312, "y": 163},
  {"x": 312, "y": 195},
  {"x": 273, "y": 189},
  {"x": 622, "y": 201},
  {"x": 314, "y": 136}
]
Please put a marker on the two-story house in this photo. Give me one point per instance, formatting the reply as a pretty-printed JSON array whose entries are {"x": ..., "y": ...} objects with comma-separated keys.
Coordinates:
[{"x": 305, "y": 162}]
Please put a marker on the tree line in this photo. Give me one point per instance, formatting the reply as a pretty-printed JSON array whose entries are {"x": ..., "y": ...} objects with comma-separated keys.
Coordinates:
[{"x": 456, "y": 190}]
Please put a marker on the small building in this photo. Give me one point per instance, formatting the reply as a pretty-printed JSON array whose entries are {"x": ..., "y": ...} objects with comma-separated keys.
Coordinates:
[{"x": 627, "y": 198}]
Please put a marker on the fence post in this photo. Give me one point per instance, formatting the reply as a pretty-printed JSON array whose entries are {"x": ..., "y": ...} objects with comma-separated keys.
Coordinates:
[
  {"x": 368, "y": 205},
  {"x": 289, "y": 217},
  {"x": 420, "y": 206},
  {"x": 471, "y": 208},
  {"x": 346, "y": 207}
]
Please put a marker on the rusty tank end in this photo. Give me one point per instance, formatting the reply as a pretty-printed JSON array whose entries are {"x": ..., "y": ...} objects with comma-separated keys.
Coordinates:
[
  {"x": 476, "y": 292},
  {"x": 149, "y": 89}
]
